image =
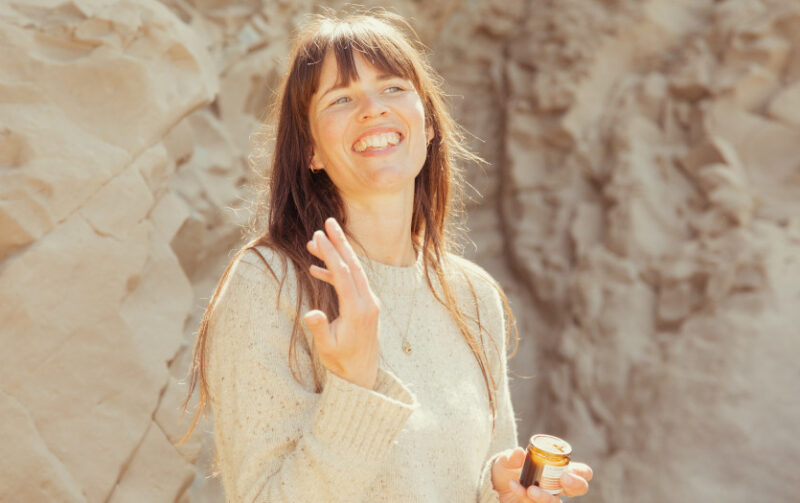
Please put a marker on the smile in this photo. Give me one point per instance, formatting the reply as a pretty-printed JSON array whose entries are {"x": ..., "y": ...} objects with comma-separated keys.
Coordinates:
[{"x": 377, "y": 142}]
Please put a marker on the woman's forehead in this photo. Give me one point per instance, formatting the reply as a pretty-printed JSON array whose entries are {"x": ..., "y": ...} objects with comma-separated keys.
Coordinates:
[{"x": 331, "y": 75}]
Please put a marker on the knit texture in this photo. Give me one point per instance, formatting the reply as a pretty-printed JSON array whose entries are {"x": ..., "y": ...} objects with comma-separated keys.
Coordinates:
[{"x": 423, "y": 434}]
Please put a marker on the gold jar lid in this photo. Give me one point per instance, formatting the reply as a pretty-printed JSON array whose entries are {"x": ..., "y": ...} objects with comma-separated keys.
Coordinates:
[{"x": 550, "y": 446}]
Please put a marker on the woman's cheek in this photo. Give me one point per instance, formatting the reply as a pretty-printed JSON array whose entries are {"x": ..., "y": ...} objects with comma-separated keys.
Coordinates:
[{"x": 331, "y": 128}]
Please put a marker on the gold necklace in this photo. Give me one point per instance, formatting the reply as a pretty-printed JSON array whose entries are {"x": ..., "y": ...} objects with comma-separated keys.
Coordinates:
[{"x": 404, "y": 335}]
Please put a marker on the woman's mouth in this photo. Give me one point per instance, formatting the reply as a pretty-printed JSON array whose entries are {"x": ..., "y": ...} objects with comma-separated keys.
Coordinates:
[{"x": 378, "y": 143}]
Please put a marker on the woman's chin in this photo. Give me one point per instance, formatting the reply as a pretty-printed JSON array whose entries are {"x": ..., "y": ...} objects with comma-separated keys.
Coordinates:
[{"x": 389, "y": 178}]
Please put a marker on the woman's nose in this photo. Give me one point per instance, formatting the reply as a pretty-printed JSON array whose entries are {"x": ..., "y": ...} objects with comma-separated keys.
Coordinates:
[{"x": 372, "y": 106}]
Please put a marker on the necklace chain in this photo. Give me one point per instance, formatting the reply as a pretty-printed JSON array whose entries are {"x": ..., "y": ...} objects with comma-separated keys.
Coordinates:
[{"x": 404, "y": 335}]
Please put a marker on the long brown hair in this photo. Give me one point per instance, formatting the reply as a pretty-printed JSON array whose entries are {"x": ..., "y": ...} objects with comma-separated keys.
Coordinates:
[{"x": 297, "y": 201}]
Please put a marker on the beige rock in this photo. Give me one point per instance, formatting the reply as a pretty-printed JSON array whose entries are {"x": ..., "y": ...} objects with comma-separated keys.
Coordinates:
[
  {"x": 786, "y": 105},
  {"x": 30, "y": 470},
  {"x": 640, "y": 207},
  {"x": 110, "y": 79},
  {"x": 173, "y": 422},
  {"x": 144, "y": 480},
  {"x": 89, "y": 278},
  {"x": 693, "y": 193}
]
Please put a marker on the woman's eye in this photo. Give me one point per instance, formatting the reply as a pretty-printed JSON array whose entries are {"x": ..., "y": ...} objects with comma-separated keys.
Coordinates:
[{"x": 390, "y": 89}]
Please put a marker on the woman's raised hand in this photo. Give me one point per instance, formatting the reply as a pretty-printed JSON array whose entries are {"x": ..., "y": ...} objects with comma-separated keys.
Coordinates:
[
  {"x": 505, "y": 479},
  {"x": 348, "y": 346}
]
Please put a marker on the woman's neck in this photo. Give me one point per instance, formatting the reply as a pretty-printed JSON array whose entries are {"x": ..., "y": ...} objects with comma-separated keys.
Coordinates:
[{"x": 383, "y": 227}]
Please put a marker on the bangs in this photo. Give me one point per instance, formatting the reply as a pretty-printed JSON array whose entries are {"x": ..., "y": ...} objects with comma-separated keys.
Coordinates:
[
  {"x": 375, "y": 42},
  {"x": 379, "y": 50}
]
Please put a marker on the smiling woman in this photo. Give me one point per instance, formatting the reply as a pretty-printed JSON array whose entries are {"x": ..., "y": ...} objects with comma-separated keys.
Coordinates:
[
  {"x": 369, "y": 133},
  {"x": 348, "y": 354}
]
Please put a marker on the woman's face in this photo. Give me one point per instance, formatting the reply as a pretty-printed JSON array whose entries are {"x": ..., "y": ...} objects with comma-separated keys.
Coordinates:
[{"x": 368, "y": 136}]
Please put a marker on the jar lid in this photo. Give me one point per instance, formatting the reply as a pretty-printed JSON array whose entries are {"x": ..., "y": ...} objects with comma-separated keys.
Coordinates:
[{"x": 551, "y": 445}]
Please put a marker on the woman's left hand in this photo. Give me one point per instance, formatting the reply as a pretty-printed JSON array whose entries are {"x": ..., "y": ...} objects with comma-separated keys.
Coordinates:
[{"x": 505, "y": 478}]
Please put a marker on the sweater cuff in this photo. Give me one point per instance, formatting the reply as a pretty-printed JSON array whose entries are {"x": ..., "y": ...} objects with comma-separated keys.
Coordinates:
[
  {"x": 486, "y": 492},
  {"x": 361, "y": 420},
  {"x": 388, "y": 384}
]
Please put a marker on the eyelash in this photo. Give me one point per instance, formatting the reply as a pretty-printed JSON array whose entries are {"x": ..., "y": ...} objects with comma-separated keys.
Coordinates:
[{"x": 335, "y": 102}]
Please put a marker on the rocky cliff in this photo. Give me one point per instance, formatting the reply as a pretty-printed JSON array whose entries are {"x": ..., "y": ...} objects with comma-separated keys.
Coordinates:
[{"x": 640, "y": 207}]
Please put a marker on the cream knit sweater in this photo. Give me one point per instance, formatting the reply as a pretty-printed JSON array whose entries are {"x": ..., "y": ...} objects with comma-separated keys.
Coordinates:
[{"x": 422, "y": 435}]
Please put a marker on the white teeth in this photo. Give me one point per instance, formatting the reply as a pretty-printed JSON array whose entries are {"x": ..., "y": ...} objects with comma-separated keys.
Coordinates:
[{"x": 377, "y": 141}]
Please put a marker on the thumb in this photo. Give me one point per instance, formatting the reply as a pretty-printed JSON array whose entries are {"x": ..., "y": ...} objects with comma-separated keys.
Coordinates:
[
  {"x": 512, "y": 459},
  {"x": 506, "y": 467},
  {"x": 317, "y": 322},
  {"x": 516, "y": 459}
]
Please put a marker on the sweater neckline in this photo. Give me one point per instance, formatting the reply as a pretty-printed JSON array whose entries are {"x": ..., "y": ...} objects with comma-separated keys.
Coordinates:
[{"x": 391, "y": 277}]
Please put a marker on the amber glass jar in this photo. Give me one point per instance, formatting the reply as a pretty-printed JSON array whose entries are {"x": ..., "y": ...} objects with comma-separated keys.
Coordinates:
[{"x": 545, "y": 460}]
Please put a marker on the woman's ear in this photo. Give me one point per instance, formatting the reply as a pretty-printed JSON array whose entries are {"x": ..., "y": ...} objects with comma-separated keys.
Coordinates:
[
  {"x": 429, "y": 132},
  {"x": 316, "y": 165}
]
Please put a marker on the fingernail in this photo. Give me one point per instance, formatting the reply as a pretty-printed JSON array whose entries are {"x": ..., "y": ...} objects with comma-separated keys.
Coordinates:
[
  {"x": 568, "y": 478},
  {"x": 516, "y": 486},
  {"x": 535, "y": 492}
]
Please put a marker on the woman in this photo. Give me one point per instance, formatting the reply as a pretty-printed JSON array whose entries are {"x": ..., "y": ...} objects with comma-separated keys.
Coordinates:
[{"x": 347, "y": 354}]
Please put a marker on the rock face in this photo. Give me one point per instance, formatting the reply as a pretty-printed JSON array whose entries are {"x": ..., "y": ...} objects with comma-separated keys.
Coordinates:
[
  {"x": 648, "y": 168},
  {"x": 93, "y": 300},
  {"x": 640, "y": 207}
]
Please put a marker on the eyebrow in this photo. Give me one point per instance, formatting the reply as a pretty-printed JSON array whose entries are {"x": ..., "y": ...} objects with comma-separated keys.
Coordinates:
[{"x": 340, "y": 85}]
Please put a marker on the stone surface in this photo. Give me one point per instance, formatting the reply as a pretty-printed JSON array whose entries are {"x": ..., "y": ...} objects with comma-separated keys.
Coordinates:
[
  {"x": 92, "y": 297},
  {"x": 647, "y": 193},
  {"x": 157, "y": 471},
  {"x": 639, "y": 205}
]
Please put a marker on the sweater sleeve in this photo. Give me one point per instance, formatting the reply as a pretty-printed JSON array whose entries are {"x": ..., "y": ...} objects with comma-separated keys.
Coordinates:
[
  {"x": 505, "y": 435},
  {"x": 277, "y": 440}
]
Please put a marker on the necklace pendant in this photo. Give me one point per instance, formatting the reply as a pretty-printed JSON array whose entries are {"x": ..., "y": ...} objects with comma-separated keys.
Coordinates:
[{"x": 407, "y": 347}]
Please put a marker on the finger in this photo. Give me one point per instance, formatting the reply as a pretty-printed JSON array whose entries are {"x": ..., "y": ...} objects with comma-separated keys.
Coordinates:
[
  {"x": 311, "y": 246},
  {"x": 318, "y": 324},
  {"x": 582, "y": 470},
  {"x": 573, "y": 484},
  {"x": 505, "y": 467},
  {"x": 316, "y": 271},
  {"x": 516, "y": 459},
  {"x": 518, "y": 490},
  {"x": 505, "y": 458},
  {"x": 321, "y": 274},
  {"x": 539, "y": 495},
  {"x": 339, "y": 240},
  {"x": 342, "y": 278}
]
